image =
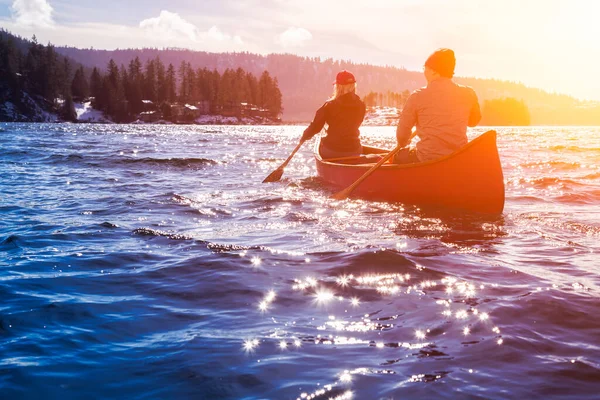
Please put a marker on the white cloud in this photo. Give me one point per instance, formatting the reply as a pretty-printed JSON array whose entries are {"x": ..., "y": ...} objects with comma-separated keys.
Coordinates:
[
  {"x": 168, "y": 26},
  {"x": 215, "y": 34},
  {"x": 32, "y": 13},
  {"x": 294, "y": 37}
]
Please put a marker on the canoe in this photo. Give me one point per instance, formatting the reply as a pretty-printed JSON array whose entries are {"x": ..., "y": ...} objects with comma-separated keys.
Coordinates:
[{"x": 469, "y": 179}]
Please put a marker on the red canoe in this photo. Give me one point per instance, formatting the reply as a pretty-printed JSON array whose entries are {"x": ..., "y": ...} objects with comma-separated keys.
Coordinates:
[{"x": 469, "y": 179}]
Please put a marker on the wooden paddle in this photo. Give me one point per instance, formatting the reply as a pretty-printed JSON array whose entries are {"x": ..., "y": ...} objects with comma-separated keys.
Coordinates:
[
  {"x": 348, "y": 158},
  {"x": 276, "y": 175},
  {"x": 346, "y": 192}
]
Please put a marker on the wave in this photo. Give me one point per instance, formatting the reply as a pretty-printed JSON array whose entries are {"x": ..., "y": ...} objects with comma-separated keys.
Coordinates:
[
  {"x": 545, "y": 182},
  {"x": 150, "y": 161},
  {"x": 10, "y": 243},
  {"x": 158, "y": 233},
  {"x": 580, "y": 198},
  {"x": 65, "y": 158},
  {"x": 16, "y": 153},
  {"x": 169, "y": 162},
  {"x": 564, "y": 225},
  {"x": 574, "y": 149},
  {"x": 561, "y": 165},
  {"x": 592, "y": 176},
  {"x": 108, "y": 225}
]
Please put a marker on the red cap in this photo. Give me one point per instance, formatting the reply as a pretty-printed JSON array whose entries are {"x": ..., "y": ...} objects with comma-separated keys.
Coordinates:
[{"x": 344, "y": 78}]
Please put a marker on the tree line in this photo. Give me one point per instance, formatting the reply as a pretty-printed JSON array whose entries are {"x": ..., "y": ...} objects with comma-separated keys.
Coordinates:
[{"x": 122, "y": 92}]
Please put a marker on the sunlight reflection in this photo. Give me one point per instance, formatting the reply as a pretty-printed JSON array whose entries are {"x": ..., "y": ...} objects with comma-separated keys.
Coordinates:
[
  {"x": 324, "y": 296},
  {"x": 266, "y": 302},
  {"x": 256, "y": 261},
  {"x": 346, "y": 377},
  {"x": 250, "y": 345}
]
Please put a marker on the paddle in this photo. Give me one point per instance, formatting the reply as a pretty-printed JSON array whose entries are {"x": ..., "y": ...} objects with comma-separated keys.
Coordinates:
[
  {"x": 276, "y": 175},
  {"x": 348, "y": 158},
  {"x": 341, "y": 195}
]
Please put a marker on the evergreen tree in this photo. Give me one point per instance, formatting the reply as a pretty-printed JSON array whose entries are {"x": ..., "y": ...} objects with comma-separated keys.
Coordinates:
[
  {"x": 79, "y": 85},
  {"x": 269, "y": 97},
  {"x": 96, "y": 87},
  {"x": 252, "y": 88},
  {"x": 149, "y": 90},
  {"x": 264, "y": 87},
  {"x": 134, "y": 89},
  {"x": 225, "y": 92},
  {"x": 170, "y": 84},
  {"x": 274, "y": 102},
  {"x": 184, "y": 88},
  {"x": 161, "y": 81}
]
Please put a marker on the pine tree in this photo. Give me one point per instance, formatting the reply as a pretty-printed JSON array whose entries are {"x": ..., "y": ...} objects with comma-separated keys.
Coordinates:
[
  {"x": 79, "y": 85},
  {"x": 274, "y": 103},
  {"x": 133, "y": 91},
  {"x": 149, "y": 89},
  {"x": 170, "y": 84},
  {"x": 252, "y": 88},
  {"x": 161, "y": 82},
  {"x": 96, "y": 87},
  {"x": 184, "y": 88}
]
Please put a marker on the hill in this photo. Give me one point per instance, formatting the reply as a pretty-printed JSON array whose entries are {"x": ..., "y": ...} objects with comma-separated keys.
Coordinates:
[{"x": 306, "y": 82}]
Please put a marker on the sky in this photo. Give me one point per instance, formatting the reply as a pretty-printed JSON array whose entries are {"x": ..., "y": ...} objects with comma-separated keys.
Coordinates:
[{"x": 549, "y": 44}]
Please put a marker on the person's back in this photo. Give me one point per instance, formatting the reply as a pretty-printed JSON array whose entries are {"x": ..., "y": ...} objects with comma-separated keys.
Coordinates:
[
  {"x": 444, "y": 109},
  {"x": 343, "y": 113},
  {"x": 441, "y": 112}
]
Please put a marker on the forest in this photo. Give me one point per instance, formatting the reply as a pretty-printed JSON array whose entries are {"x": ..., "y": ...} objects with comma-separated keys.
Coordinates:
[{"x": 34, "y": 78}]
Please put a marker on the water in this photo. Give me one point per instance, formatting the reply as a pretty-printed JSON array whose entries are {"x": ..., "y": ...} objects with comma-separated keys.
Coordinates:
[{"x": 143, "y": 262}]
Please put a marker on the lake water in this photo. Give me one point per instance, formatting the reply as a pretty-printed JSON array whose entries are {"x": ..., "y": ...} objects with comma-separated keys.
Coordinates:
[{"x": 150, "y": 262}]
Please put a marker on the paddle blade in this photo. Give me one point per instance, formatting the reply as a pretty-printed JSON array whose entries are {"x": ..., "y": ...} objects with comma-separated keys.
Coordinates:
[
  {"x": 341, "y": 195},
  {"x": 274, "y": 176}
]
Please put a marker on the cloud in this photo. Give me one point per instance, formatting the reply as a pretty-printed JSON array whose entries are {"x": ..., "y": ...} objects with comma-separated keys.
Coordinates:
[
  {"x": 32, "y": 13},
  {"x": 169, "y": 25},
  {"x": 294, "y": 37},
  {"x": 215, "y": 34}
]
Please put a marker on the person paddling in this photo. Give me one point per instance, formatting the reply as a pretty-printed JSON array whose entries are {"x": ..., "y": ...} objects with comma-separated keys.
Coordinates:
[
  {"x": 344, "y": 112},
  {"x": 441, "y": 112}
]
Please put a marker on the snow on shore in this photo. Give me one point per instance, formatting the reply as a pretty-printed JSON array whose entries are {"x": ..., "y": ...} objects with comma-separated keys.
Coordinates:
[{"x": 86, "y": 113}]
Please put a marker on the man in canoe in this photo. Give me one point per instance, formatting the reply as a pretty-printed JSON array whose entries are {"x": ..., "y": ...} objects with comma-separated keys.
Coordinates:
[
  {"x": 441, "y": 112},
  {"x": 344, "y": 113}
]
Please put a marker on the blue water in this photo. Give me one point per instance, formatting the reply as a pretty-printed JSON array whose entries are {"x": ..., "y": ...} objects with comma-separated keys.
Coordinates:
[{"x": 150, "y": 262}]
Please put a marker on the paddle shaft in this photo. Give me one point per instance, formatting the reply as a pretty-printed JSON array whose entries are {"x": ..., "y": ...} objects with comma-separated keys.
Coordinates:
[
  {"x": 346, "y": 192},
  {"x": 276, "y": 175},
  {"x": 286, "y": 162}
]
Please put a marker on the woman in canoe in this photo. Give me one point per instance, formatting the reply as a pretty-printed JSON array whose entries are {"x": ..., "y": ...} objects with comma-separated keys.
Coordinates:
[{"x": 343, "y": 113}]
